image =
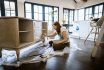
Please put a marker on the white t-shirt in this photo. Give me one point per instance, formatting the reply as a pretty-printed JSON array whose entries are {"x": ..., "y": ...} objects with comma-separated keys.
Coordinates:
[{"x": 62, "y": 30}]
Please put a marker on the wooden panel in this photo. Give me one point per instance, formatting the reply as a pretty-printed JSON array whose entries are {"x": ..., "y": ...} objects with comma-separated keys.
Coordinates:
[
  {"x": 25, "y": 25},
  {"x": 26, "y": 37},
  {"x": 9, "y": 32},
  {"x": 37, "y": 30}
]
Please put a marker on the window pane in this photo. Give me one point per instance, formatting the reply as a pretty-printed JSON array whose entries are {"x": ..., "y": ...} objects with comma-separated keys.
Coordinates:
[
  {"x": 7, "y": 7},
  {"x": 40, "y": 17},
  {"x": 46, "y": 17},
  {"x": 12, "y": 5},
  {"x": 71, "y": 13},
  {"x": 40, "y": 9},
  {"x": 96, "y": 9},
  {"x": 50, "y": 17},
  {"x": 65, "y": 14},
  {"x": 50, "y": 10},
  {"x": 28, "y": 15},
  {"x": 90, "y": 10},
  {"x": 56, "y": 11},
  {"x": 7, "y": 13},
  {"x": 46, "y": 9},
  {"x": 87, "y": 11},
  {"x": 96, "y": 15},
  {"x": 12, "y": 13},
  {"x": 100, "y": 8},
  {"x": 87, "y": 17},
  {"x": 100, "y": 14},
  {"x": 38, "y": 12},
  {"x": 66, "y": 17},
  {"x": 36, "y": 16},
  {"x": 35, "y": 8},
  {"x": 28, "y": 10},
  {"x": 55, "y": 17},
  {"x": 76, "y": 15},
  {"x": 28, "y": 7},
  {"x": 81, "y": 14}
]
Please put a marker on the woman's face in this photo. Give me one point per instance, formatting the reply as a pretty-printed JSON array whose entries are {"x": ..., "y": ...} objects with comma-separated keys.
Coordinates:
[{"x": 54, "y": 27}]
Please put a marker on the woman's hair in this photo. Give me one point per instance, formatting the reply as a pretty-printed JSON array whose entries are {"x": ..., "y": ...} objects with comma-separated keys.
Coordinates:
[{"x": 57, "y": 24}]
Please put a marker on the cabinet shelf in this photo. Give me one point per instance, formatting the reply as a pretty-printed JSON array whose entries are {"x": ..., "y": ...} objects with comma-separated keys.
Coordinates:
[
  {"x": 23, "y": 31},
  {"x": 44, "y": 29}
]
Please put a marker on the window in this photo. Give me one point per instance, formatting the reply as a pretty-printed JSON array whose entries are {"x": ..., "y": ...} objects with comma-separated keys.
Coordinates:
[
  {"x": 28, "y": 10},
  {"x": 76, "y": 15},
  {"x": 71, "y": 16},
  {"x": 9, "y": 8},
  {"x": 68, "y": 16},
  {"x": 88, "y": 13},
  {"x": 38, "y": 12},
  {"x": 42, "y": 12},
  {"x": 81, "y": 14},
  {"x": 98, "y": 11},
  {"x": 48, "y": 16},
  {"x": 55, "y": 14}
]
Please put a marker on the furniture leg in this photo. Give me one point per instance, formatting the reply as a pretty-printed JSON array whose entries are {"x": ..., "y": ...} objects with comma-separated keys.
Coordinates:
[
  {"x": 0, "y": 52},
  {"x": 94, "y": 51},
  {"x": 95, "y": 35},
  {"x": 17, "y": 53},
  {"x": 88, "y": 35}
]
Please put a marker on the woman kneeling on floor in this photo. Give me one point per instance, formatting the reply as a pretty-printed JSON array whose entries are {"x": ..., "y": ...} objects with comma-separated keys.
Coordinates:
[{"x": 62, "y": 32}]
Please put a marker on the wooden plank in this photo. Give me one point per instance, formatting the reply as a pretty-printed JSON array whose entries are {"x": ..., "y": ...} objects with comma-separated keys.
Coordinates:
[{"x": 9, "y": 36}]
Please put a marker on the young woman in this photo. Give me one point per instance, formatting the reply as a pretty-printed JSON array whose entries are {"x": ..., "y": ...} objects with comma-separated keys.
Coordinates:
[{"x": 62, "y": 32}]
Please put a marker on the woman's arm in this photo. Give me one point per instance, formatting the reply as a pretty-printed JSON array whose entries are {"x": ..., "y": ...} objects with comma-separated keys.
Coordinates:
[{"x": 52, "y": 34}]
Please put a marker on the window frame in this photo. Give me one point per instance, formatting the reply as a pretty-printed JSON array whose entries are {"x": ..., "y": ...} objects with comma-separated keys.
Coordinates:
[
  {"x": 98, "y": 10},
  {"x": 68, "y": 14},
  {"x": 43, "y": 5},
  {"x": 3, "y": 7},
  {"x": 88, "y": 12},
  {"x": 93, "y": 8}
]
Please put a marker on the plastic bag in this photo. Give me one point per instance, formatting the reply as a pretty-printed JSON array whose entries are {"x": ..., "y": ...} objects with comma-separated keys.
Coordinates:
[{"x": 9, "y": 56}]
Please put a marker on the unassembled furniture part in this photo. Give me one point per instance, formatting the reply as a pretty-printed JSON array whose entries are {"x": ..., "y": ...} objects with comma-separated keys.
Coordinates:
[
  {"x": 100, "y": 38},
  {"x": 94, "y": 26}
]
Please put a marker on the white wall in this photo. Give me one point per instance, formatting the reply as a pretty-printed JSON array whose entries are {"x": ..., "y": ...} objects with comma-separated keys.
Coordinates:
[
  {"x": 61, "y": 4},
  {"x": 21, "y": 9},
  {"x": 84, "y": 29}
]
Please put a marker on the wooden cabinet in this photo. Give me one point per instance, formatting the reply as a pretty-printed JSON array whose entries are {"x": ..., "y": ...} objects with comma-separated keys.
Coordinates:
[{"x": 17, "y": 33}]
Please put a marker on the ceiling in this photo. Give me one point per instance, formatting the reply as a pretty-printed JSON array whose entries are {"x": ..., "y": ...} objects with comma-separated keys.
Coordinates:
[{"x": 76, "y": 1}]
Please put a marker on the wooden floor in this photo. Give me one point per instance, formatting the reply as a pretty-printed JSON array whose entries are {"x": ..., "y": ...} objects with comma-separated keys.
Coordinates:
[{"x": 78, "y": 59}]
